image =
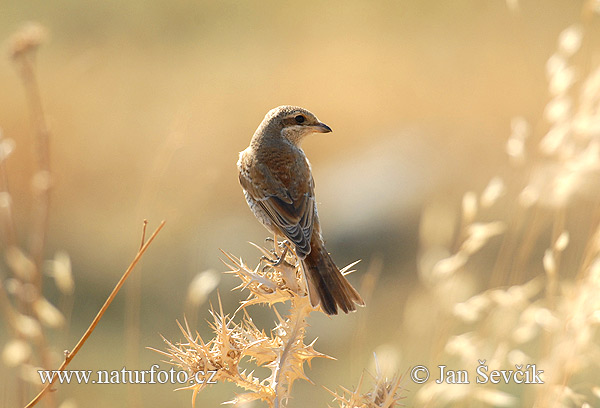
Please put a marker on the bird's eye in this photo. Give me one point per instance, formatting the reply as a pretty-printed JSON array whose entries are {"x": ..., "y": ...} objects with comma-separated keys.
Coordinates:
[{"x": 299, "y": 119}]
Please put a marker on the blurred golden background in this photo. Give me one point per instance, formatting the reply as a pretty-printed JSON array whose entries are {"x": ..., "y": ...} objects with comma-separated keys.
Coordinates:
[{"x": 149, "y": 103}]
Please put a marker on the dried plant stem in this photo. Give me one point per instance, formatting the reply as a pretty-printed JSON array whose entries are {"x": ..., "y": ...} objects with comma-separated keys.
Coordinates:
[
  {"x": 24, "y": 47},
  {"x": 42, "y": 179},
  {"x": 297, "y": 323},
  {"x": 7, "y": 223},
  {"x": 70, "y": 355}
]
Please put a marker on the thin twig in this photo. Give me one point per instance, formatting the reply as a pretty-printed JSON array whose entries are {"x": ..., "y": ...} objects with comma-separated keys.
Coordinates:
[
  {"x": 70, "y": 355},
  {"x": 144, "y": 234}
]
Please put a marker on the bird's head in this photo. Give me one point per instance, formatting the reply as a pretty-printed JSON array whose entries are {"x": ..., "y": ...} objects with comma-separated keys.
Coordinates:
[{"x": 292, "y": 123}]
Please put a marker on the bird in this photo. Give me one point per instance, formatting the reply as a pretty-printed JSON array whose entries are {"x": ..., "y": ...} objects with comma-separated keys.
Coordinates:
[{"x": 278, "y": 185}]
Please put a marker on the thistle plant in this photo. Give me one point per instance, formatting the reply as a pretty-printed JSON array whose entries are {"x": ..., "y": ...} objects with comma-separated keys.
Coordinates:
[{"x": 284, "y": 351}]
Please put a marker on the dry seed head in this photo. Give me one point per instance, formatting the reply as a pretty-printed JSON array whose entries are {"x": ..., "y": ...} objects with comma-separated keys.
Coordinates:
[
  {"x": 20, "y": 264},
  {"x": 202, "y": 285},
  {"x": 48, "y": 314},
  {"x": 443, "y": 394},
  {"x": 549, "y": 263},
  {"x": 494, "y": 190},
  {"x": 16, "y": 352},
  {"x": 555, "y": 64},
  {"x": 30, "y": 374},
  {"x": 529, "y": 196},
  {"x": 558, "y": 109},
  {"x": 269, "y": 283},
  {"x": 448, "y": 266},
  {"x": 517, "y": 357},
  {"x": 569, "y": 40},
  {"x": 62, "y": 273},
  {"x": 479, "y": 234},
  {"x": 472, "y": 309},
  {"x": 464, "y": 346},
  {"x": 7, "y": 146},
  {"x": 495, "y": 398},
  {"x": 385, "y": 393},
  {"x": 562, "y": 81},
  {"x": 515, "y": 146},
  {"x": 68, "y": 403},
  {"x": 27, "y": 39},
  {"x": 555, "y": 138},
  {"x": 41, "y": 182},
  {"x": 28, "y": 327},
  {"x": 13, "y": 286}
]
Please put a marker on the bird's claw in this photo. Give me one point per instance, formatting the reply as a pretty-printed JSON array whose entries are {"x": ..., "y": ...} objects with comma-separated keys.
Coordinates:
[{"x": 276, "y": 262}]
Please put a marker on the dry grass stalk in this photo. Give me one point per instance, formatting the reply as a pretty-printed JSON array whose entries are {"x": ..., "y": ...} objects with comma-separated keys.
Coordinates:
[
  {"x": 70, "y": 355},
  {"x": 552, "y": 320},
  {"x": 28, "y": 311}
]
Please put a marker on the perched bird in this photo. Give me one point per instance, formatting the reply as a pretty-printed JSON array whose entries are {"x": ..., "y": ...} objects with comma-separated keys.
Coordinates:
[{"x": 279, "y": 188}]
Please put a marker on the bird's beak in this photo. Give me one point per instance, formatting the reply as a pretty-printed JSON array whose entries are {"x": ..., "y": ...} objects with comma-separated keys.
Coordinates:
[{"x": 322, "y": 128}]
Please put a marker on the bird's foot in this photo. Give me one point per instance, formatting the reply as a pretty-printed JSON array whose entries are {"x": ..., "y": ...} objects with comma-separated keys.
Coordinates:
[{"x": 279, "y": 260}]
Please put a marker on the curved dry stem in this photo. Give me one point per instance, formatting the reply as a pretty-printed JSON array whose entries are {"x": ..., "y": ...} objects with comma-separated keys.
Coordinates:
[{"x": 71, "y": 355}]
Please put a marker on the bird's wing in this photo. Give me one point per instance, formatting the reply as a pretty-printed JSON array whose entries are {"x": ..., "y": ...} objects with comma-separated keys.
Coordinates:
[{"x": 291, "y": 211}]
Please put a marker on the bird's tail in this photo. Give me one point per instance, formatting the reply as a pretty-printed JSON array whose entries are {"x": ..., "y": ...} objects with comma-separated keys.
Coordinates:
[{"x": 326, "y": 284}]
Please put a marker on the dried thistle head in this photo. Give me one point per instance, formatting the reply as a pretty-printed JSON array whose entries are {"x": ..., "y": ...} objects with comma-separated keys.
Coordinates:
[
  {"x": 235, "y": 345},
  {"x": 384, "y": 393},
  {"x": 269, "y": 282}
]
